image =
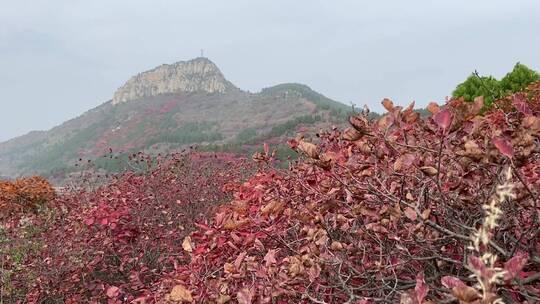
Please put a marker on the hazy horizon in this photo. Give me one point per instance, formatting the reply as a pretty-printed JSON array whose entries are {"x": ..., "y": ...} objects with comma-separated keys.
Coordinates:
[{"x": 58, "y": 60}]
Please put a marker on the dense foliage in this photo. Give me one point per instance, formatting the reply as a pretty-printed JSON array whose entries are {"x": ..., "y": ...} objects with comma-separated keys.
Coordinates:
[
  {"x": 385, "y": 211},
  {"x": 23, "y": 195},
  {"x": 120, "y": 239},
  {"x": 401, "y": 209},
  {"x": 491, "y": 89}
]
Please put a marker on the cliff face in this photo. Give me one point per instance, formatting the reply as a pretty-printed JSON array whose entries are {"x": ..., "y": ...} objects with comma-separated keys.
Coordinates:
[{"x": 197, "y": 75}]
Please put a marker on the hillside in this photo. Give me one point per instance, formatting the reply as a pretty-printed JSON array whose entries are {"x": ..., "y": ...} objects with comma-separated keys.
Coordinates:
[{"x": 171, "y": 107}]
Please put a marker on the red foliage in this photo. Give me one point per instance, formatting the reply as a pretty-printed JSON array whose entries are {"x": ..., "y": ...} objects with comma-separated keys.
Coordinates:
[
  {"x": 118, "y": 241},
  {"x": 381, "y": 212},
  {"x": 381, "y": 215}
]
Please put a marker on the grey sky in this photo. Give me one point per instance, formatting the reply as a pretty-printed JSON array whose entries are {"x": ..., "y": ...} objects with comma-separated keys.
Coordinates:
[{"x": 59, "y": 58}]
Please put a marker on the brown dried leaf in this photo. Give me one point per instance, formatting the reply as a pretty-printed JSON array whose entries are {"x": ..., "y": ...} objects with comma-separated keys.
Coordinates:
[
  {"x": 222, "y": 299},
  {"x": 388, "y": 105},
  {"x": 403, "y": 162},
  {"x": 433, "y": 108},
  {"x": 531, "y": 123},
  {"x": 465, "y": 293},
  {"x": 229, "y": 268},
  {"x": 309, "y": 149},
  {"x": 359, "y": 123},
  {"x": 180, "y": 294},
  {"x": 351, "y": 134},
  {"x": 428, "y": 170},
  {"x": 336, "y": 245},
  {"x": 187, "y": 245}
]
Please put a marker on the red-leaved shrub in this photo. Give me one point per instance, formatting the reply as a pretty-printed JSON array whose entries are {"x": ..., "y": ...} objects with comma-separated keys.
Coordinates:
[
  {"x": 117, "y": 242},
  {"x": 386, "y": 211},
  {"x": 402, "y": 209}
]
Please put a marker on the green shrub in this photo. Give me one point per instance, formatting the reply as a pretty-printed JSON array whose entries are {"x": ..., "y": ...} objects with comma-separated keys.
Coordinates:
[
  {"x": 491, "y": 88},
  {"x": 475, "y": 86},
  {"x": 517, "y": 80}
]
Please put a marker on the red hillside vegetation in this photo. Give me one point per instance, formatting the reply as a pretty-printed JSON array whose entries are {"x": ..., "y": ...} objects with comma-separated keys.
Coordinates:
[
  {"x": 396, "y": 210},
  {"x": 385, "y": 211},
  {"x": 119, "y": 240}
]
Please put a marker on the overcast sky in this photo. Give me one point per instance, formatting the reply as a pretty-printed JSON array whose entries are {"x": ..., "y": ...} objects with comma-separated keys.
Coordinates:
[{"x": 59, "y": 58}]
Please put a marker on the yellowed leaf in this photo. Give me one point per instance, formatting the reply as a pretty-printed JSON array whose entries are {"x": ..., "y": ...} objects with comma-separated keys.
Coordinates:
[
  {"x": 433, "y": 108},
  {"x": 426, "y": 213},
  {"x": 187, "y": 245},
  {"x": 388, "y": 104},
  {"x": 229, "y": 268},
  {"x": 309, "y": 148},
  {"x": 351, "y": 134},
  {"x": 179, "y": 293},
  {"x": 428, "y": 170},
  {"x": 336, "y": 245},
  {"x": 222, "y": 299}
]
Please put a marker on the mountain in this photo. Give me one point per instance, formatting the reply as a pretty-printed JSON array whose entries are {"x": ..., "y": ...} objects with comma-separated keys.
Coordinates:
[{"x": 171, "y": 107}]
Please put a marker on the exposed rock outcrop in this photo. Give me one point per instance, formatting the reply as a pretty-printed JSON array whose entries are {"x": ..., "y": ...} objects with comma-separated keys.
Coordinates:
[{"x": 197, "y": 75}]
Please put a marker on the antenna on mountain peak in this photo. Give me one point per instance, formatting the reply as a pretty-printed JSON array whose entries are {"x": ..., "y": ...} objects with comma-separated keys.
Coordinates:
[{"x": 202, "y": 53}]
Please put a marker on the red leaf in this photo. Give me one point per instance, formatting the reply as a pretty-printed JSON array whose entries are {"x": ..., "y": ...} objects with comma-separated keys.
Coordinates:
[
  {"x": 404, "y": 162},
  {"x": 199, "y": 250},
  {"x": 504, "y": 146},
  {"x": 451, "y": 282},
  {"x": 239, "y": 259},
  {"x": 410, "y": 214},
  {"x": 293, "y": 143},
  {"x": 477, "y": 264},
  {"x": 112, "y": 292},
  {"x": 515, "y": 265},
  {"x": 245, "y": 296},
  {"x": 521, "y": 105},
  {"x": 421, "y": 288},
  {"x": 443, "y": 119},
  {"x": 89, "y": 221},
  {"x": 477, "y": 105},
  {"x": 270, "y": 257}
]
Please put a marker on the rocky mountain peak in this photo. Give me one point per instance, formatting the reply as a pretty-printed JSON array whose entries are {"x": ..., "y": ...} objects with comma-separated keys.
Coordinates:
[{"x": 196, "y": 75}]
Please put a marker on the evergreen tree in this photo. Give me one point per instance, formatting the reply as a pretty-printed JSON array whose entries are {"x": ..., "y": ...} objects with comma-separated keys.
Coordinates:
[
  {"x": 474, "y": 86},
  {"x": 489, "y": 87},
  {"x": 520, "y": 77}
]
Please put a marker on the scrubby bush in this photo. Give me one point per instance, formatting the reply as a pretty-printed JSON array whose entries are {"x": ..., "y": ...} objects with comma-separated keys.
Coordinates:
[
  {"x": 24, "y": 194},
  {"x": 397, "y": 210},
  {"x": 118, "y": 241}
]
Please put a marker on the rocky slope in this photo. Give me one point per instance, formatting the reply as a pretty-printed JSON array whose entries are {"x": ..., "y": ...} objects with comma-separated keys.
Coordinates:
[
  {"x": 171, "y": 107},
  {"x": 197, "y": 75}
]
